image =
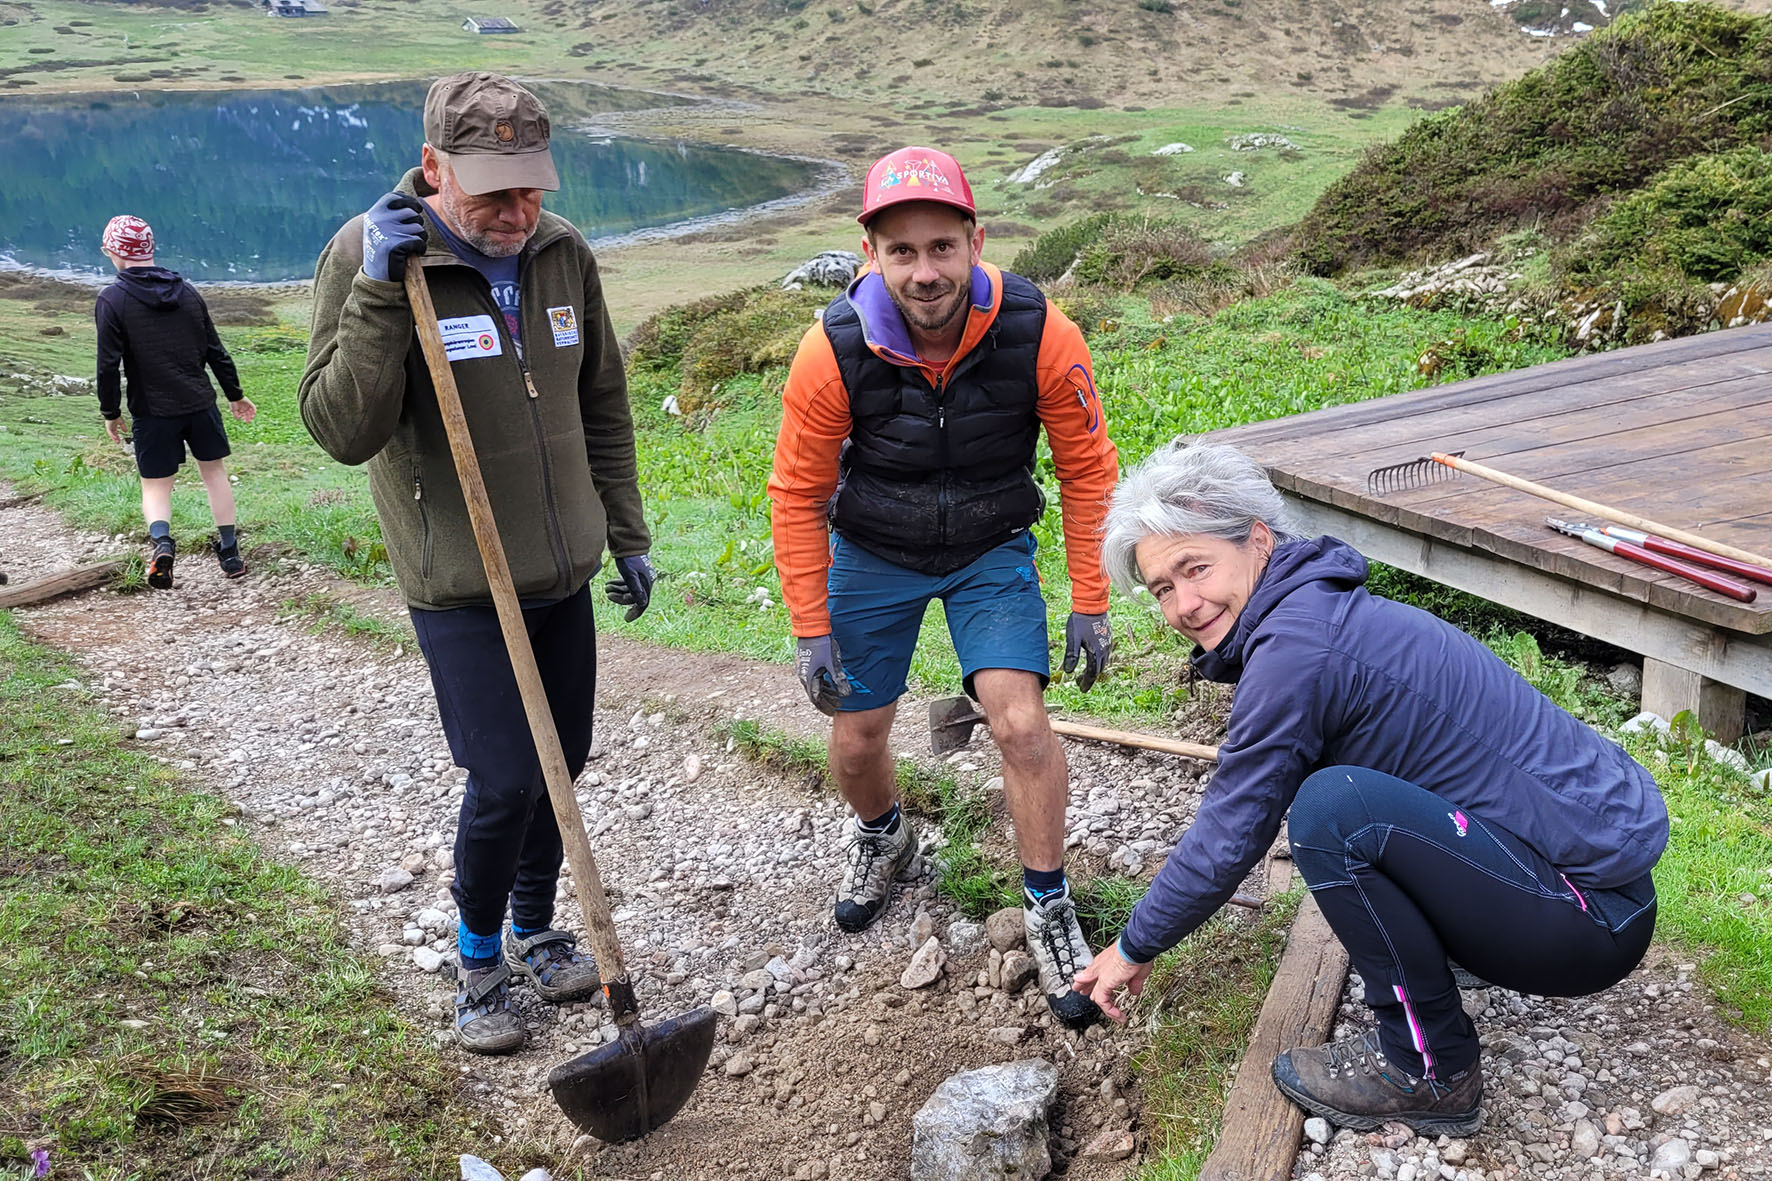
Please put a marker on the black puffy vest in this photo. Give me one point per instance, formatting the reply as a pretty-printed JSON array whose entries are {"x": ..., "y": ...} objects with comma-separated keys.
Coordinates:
[{"x": 933, "y": 478}]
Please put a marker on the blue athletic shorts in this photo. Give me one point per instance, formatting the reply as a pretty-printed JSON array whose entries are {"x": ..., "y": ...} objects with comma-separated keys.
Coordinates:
[{"x": 995, "y": 613}]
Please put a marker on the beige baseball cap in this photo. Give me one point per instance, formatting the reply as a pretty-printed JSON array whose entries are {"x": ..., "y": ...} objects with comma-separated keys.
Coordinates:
[{"x": 494, "y": 131}]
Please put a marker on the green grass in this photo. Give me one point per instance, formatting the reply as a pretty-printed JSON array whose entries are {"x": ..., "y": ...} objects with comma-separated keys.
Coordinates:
[
  {"x": 1198, "y": 1010},
  {"x": 327, "y": 611},
  {"x": 173, "y": 1002}
]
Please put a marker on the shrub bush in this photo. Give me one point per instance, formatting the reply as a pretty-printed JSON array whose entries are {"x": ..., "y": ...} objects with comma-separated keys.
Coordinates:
[
  {"x": 1616, "y": 109},
  {"x": 722, "y": 336}
]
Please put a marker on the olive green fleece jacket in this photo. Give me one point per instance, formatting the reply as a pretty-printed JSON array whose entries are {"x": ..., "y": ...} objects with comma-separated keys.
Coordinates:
[{"x": 555, "y": 443}]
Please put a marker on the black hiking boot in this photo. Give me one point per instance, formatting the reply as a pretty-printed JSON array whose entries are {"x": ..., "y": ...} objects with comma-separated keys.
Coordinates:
[
  {"x": 160, "y": 563},
  {"x": 1353, "y": 1085},
  {"x": 232, "y": 564}
]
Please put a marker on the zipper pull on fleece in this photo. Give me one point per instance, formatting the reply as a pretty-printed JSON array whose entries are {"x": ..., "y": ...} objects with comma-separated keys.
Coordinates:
[
  {"x": 418, "y": 487},
  {"x": 530, "y": 382}
]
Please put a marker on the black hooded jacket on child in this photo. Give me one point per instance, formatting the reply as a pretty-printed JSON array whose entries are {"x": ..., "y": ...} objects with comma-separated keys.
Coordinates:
[{"x": 158, "y": 327}]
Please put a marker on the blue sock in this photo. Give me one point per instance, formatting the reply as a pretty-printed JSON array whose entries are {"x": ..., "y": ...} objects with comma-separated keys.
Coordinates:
[
  {"x": 159, "y": 529},
  {"x": 886, "y": 822},
  {"x": 526, "y": 932},
  {"x": 476, "y": 951},
  {"x": 1042, "y": 883},
  {"x": 227, "y": 536}
]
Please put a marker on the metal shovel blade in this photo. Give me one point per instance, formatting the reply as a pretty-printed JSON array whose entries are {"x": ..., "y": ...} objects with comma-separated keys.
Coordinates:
[
  {"x": 951, "y": 722},
  {"x": 628, "y": 1087}
]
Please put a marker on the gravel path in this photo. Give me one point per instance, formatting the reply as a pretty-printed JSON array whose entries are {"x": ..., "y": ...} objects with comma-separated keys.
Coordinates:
[{"x": 722, "y": 874}]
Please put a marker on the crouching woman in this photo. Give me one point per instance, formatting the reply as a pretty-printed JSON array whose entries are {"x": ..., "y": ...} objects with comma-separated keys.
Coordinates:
[{"x": 1441, "y": 806}]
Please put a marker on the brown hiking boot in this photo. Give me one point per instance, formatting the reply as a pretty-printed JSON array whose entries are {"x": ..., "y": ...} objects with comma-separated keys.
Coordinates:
[{"x": 1352, "y": 1084}]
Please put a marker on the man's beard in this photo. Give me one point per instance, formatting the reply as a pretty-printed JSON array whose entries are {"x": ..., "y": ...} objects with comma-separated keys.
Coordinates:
[
  {"x": 478, "y": 239},
  {"x": 920, "y": 316}
]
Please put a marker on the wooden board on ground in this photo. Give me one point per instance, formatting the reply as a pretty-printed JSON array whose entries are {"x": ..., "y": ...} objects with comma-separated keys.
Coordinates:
[
  {"x": 1262, "y": 1127},
  {"x": 68, "y": 582}
]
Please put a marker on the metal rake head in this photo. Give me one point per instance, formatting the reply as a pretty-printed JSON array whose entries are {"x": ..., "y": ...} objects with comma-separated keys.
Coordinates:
[{"x": 1417, "y": 473}]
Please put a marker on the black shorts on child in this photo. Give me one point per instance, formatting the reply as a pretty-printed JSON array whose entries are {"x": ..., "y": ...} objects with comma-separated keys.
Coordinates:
[{"x": 160, "y": 442}]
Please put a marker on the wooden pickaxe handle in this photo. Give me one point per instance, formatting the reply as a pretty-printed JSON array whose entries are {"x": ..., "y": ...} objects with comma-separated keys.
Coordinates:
[{"x": 1174, "y": 746}]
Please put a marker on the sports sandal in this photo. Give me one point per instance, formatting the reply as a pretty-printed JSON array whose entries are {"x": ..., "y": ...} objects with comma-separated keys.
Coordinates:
[
  {"x": 485, "y": 1020},
  {"x": 550, "y": 961},
  {"x": 160, "y": 563}
]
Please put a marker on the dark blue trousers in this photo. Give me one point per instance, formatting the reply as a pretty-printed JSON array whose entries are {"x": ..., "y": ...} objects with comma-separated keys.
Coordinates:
[
  {"x": 507, "y": 846},
  {"x": 1407, "y": 879}
]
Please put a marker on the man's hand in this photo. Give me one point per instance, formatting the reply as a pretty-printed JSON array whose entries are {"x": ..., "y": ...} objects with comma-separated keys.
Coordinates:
[
  {"x": 820, "y": 666},
  {"x": 1092, "y": 638},
  {"x": 114, "y": 428},
  {"x": 1106, "y": 975},
  {"x": 393, "y": 231},
  {"x": 633, "y": 589},
  {"x": 243, "y": 409}
]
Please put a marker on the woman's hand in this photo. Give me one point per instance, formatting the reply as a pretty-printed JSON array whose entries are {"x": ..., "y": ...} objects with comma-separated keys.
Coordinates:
[{"x": 1106, "y": 975}]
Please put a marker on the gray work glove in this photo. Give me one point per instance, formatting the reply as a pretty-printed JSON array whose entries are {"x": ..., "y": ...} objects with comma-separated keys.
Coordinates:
[
  {"x": 633, "y": 589},
  {"x": 393, "y": 231},
  {"x": 820, "y": 667},
  {"x": 1088, "y": 636}
]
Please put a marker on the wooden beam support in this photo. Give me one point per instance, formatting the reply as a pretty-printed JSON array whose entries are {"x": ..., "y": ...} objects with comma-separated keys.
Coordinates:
[
  {"x": 1720, "y": 709},
  {"x": 68, "y": 582},
  {"x": 1262, "y": 1127}
]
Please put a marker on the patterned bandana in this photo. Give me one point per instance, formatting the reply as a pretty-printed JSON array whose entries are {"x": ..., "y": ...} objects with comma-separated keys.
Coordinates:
[{"x": 129, "y": 238}]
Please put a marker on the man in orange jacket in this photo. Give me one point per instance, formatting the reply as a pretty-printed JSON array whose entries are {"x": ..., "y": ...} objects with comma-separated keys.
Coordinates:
[{"x": 904, "y": 472}]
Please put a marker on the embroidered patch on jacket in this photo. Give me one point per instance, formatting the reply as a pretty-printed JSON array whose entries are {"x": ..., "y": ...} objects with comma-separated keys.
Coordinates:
[
  {"x": 565, "y": 326},
  {"x": 467, "y": 337},
  {"x": 1459, "y": 822}
]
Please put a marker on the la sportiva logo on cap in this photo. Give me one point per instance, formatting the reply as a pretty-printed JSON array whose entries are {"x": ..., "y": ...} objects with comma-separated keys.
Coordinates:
[
  {"x": 504, "y": 131},
  {"x": 916, "y": 172}
]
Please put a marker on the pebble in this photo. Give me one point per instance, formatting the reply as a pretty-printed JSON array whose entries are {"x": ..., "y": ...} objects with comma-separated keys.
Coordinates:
[
  {"x": 1675, "y": 1154},
  {"x": 426, "y": 959},
  {"x": 1316, "y": 1130},
  {"x": 925, "y": 966},
  {"x": 1674, "y": 1100},
  {"x": 392, "y": 880},
  {"x": 1111, "y": 1145},
  {"x": 1006, "y": 929},
  {"x": 739, "y": 1065}
]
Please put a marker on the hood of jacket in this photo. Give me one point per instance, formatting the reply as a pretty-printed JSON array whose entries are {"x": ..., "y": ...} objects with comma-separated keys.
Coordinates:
[
  {"x": 886, "y": 333},
  {"x": 1294, "y": 564},
  {"x": 155, "y": 286}
]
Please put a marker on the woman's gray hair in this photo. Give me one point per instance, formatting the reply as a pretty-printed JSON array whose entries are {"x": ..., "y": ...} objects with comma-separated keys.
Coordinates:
[{"x": 1206, "y": 489}]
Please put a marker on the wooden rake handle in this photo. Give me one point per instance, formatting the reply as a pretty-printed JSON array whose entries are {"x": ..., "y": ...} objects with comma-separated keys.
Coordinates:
[
  {"x": 1174, "y": 746},
  {"x": 1595, "y": 509},
  {"x": 589, "y": 882}
]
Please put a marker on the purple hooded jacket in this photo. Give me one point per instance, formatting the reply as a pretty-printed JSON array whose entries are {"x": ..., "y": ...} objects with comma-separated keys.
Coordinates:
[{"x": 1328, "y": 675}]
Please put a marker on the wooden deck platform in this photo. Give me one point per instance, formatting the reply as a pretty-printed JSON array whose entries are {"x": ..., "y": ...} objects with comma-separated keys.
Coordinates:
[{"x": 1679, "y": 432}]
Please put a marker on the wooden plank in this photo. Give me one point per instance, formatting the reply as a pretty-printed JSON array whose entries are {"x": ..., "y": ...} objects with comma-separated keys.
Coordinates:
[
  {"x": 68, "y": 582},
  {"x": 1738, "y": 352},
  {"x": 1730, "y": 657},
  {"x": 1262, "y": 1127}
]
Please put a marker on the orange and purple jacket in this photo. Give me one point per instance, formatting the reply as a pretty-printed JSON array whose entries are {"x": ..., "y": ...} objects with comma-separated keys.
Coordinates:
[{"x": 816, "y": 421}]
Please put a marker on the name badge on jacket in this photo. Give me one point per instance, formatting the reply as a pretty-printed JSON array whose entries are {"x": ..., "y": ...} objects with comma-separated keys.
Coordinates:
[
  {"x": 466, "y": 337},
  {"x": 565, "y": 326}
]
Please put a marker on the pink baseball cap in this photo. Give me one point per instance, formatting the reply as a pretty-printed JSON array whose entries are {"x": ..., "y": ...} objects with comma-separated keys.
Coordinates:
[
  {"x": 915, "y": 174},
  {"x": 129, "y": 238}
]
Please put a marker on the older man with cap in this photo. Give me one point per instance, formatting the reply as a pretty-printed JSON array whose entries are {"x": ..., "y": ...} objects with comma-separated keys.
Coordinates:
[
  {"x": 521, "y": 313},
  {"x": 905, "y": 472}
]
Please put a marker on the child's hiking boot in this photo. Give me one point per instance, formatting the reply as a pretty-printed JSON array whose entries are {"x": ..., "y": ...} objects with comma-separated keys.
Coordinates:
[
  {"x": 160, "y": 563},
  {"x": 1351, "y": 1084},
  {"x": 232, "y": 564},
  {"x": 871, "y": 861},
  {"x": 1060, "y": 952},
  {"x": 485, "y": 1020},
  {"x": 551, "y": 962}
]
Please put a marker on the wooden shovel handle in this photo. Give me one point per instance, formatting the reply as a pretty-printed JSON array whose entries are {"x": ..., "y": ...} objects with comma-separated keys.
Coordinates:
[
  {"x": 1606, "y": 512},
  {"x": 1174, "y": 746},
  {"x": 589, "y": 882}
]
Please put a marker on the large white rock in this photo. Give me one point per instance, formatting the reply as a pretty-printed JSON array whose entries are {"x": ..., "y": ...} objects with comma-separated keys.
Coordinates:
[{"x": 986, "y": 1125}]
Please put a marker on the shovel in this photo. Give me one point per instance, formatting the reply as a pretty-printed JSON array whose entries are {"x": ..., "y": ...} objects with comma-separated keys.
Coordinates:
[
  {"x": 952, "y": 720},
  {"x": 626, "y": 1088}
]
